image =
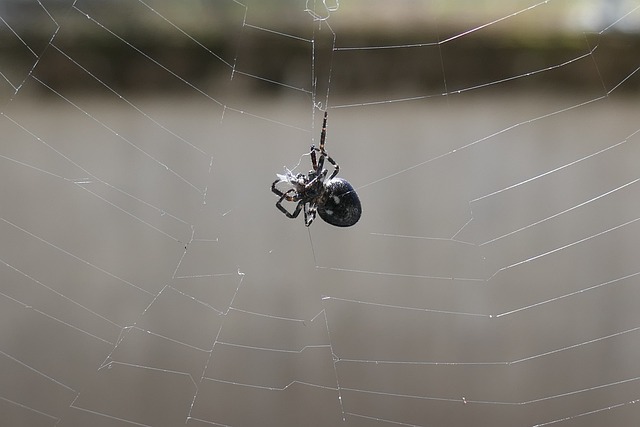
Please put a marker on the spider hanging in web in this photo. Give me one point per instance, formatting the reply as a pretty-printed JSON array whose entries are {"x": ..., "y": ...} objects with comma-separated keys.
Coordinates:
[{"x": 334, "y": 199}]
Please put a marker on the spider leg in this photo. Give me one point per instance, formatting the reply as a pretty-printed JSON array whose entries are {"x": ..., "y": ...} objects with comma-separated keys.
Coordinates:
[
  {"x": 323, "y": 134},
  {"x": 336, "y": 167},
  {"x": 274, "y": 189},
  {"x": 282, "y": 209},
  {"x": 323, "y": 153},
  {"x": 309, "y": 214},
  {"x": 314, "y": 163},
  {"x": 285, "y": 194}
]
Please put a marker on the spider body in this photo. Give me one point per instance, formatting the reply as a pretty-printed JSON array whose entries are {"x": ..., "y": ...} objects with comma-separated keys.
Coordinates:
[
  {"x": 341, "y": 205},
  {"x": 334, "y": 199}
]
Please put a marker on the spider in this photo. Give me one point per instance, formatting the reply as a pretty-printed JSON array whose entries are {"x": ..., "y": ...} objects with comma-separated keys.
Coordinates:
[{"x": 334, "y": 199}]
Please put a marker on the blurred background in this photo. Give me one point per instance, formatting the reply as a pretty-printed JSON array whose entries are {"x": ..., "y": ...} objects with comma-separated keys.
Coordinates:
[{"x": 147, "y": 278}]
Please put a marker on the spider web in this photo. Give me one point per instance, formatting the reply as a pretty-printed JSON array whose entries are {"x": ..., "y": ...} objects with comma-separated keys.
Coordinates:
[{"x": 147, "y": 278}]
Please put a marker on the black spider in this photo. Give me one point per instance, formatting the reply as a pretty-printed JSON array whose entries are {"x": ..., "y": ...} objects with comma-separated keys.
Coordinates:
[{"x": 334, "y": 199}]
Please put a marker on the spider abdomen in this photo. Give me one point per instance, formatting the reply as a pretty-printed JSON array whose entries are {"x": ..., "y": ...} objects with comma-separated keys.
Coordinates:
[{"x": 340, "y": 204}]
